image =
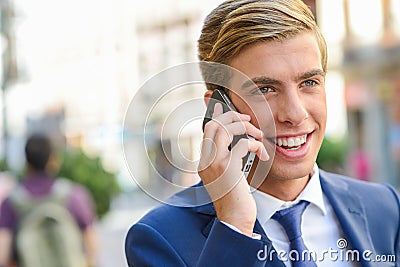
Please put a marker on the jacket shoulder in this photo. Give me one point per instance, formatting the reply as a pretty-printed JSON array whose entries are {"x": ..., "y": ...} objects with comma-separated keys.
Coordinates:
[
  {"x": 357, "y": 186},
  {"x": 166, "y": 229},
  {"x": 378, "y": 199},
  {"x": 167, "y": 219}
]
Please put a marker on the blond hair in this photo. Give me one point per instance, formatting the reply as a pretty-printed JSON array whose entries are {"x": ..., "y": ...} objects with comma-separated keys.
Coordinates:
[{"x": 235, "y": 24}]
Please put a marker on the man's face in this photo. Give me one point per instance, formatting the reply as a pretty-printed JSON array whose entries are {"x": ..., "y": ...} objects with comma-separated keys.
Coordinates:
[{"x": 289, "y": 77}]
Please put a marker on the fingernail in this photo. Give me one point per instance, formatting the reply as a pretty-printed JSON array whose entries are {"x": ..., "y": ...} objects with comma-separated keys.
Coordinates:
[
  {"x": 217, "y": 108},
  {"x": 265, "y": 154},
  {"x": 245, "y": 116}
]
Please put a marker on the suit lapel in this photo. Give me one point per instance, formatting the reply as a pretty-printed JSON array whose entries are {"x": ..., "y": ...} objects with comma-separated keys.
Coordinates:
[{"x": 350, "y": 211}]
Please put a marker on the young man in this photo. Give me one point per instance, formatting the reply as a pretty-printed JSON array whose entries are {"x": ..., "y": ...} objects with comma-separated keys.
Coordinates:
[
  {"x": 39, "y": 184},
  {"x": 299, "y": 215}
]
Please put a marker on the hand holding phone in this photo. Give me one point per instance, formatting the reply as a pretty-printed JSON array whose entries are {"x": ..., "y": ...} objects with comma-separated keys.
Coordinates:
[
  {"x": 219, "y": 168},
  {"x": 220, "y": 96}
]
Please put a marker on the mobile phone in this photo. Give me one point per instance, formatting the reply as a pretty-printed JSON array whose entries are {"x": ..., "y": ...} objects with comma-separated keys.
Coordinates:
[{"x": 220, "y": 96}]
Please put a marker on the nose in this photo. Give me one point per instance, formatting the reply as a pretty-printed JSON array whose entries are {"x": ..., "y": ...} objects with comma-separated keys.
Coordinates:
[{"x": 292, "y": 109}]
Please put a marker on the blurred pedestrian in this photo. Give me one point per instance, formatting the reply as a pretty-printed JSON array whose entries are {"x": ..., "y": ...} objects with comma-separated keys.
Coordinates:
[
  {"x": 360, "y": 165},
  {"x": 46, "y": 221}
]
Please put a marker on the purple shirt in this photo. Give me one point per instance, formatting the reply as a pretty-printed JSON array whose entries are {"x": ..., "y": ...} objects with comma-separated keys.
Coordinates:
[{"x": 80, "y": 202}]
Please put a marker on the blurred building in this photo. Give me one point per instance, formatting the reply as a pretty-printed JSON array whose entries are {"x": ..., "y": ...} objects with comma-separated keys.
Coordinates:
[
  {"x": 364, "y": 49},
  {"x": 371, "y": 67},
  {"x": 167, "y": 32}
]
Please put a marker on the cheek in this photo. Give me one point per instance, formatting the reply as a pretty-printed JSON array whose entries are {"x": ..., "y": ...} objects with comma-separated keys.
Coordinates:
[
  {"x": 318, "y": 110},
  {"x": 259, "y": 111},
  {"x": 262, "y": 118}
]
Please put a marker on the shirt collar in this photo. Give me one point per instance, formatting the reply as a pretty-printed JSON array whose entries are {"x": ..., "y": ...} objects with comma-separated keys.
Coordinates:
[{"x": 267, "y": 205}]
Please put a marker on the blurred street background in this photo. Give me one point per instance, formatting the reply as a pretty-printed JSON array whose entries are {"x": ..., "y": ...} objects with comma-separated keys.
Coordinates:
[{"x": 70, "y": 69}]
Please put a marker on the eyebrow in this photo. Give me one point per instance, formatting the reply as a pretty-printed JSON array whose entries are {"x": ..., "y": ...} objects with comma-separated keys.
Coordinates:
[
  {"x": 311, "y": 73},
  {"x": 267, "y": 80}
]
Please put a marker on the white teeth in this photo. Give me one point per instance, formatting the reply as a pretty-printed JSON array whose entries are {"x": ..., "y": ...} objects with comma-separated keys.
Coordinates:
[
  {"x": 297, "y": 141},
  {"x": 292, "y": 142},
  {"x": 280, "y": 143}
]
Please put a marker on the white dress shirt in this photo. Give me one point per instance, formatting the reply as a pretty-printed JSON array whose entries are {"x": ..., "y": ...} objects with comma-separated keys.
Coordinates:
[{"x": 320, "y": 228}]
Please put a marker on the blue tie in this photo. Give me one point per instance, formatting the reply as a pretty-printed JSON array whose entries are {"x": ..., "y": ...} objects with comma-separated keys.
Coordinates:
[{"x": 290, "y": 219}]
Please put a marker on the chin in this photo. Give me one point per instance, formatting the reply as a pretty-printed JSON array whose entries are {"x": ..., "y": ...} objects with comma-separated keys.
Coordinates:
[{"x": 290, "y": 171}]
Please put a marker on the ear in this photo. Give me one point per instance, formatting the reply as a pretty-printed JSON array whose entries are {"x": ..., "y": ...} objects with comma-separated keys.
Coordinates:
[{"x": 207, "y": 96}]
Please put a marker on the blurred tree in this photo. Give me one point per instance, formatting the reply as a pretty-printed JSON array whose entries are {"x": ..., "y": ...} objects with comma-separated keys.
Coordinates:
[
  {"x": 89, "y": 172},
  {"x": 3, "y": 165},
  {"x": 332, "y": 155}
]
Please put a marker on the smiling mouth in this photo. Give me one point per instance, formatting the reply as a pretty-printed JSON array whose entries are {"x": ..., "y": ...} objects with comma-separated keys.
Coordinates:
[{"x": 290, "y": 143}]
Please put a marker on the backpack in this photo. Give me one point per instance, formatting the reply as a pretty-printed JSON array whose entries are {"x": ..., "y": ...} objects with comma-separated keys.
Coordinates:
[{"x": 47, "y": 234}]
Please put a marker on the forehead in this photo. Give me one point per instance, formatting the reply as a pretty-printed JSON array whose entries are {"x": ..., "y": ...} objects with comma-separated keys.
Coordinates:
[{"x": 279, "y": 59}]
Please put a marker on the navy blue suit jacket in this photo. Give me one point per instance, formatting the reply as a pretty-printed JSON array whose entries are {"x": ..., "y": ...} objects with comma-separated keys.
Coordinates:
[{"x": 369, "y": 215}]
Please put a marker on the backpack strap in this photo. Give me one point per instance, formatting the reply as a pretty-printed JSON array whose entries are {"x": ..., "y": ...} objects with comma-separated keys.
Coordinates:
[
  {"x": 61, "y": 189},
  {"x": 23, "y": 201}
]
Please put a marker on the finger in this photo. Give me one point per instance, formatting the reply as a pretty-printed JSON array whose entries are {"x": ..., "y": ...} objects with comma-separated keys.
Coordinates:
[
  {"x": 218, "y": 110},
  {"x": 207, "y": 154},
  {"x": 224, "y": 135},
  {"x": 230, "y": 116},
  {"x": 219, "y": 120},
  {"x": 246, "y": 145},
  {"x": 243, "y": 127},
  {"x": 210, "y": 130},
  {"x": 210, "y": 145}
]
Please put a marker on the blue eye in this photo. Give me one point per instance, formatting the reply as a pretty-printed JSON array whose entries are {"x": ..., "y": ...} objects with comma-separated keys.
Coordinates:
[
  {"x": 262, "y": 90},
  {"x": 309, "y": 83}
]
